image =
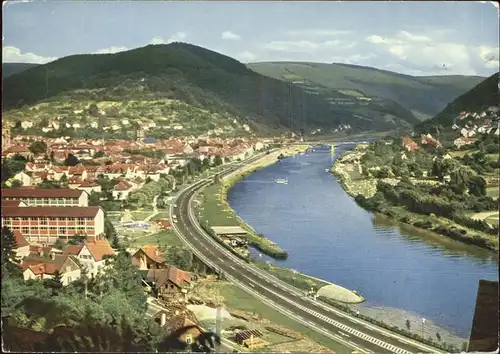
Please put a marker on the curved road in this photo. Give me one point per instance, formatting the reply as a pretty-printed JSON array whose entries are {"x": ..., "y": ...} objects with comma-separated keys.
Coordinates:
[{"x": 341, "y": 327}]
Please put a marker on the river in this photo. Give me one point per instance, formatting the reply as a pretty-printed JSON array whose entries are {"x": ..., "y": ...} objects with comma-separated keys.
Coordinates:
[{"x": 327, "y": 235}]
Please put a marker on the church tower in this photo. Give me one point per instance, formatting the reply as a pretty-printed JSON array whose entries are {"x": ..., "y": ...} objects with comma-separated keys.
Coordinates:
[{"x": 6, "y": 137}]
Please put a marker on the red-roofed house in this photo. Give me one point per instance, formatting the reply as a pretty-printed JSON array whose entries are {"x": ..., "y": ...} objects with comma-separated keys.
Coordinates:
[
  {"x": 169, "y": 283},
  {"x": 164, "y": 224},
  {"x": 148, "y": 257},
  {"x": 23, "y": 177},
  {"x": 121, "y": 190},
  {"x": 18, "y": 150},
  {"x": 409, "y": 144},
  {"x": 462, "y": 141},
  {"x": 428, "y": 139},
  {"x": 74, "y": 182},
  {"x": 91, "y": 254},
  {"x": 90, "y": 186},
  {"x": 35, "y": 267},
  {"x": 22, "y": 246}
]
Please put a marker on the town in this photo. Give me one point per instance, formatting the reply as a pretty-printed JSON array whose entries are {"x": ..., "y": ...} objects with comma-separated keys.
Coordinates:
[{"x": 71, "y": 206}]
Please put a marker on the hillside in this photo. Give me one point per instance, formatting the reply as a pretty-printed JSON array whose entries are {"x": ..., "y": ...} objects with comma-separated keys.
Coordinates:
[
  {"x": 482, "y": 96},
  {"x": 178, "y": 88},
  {"x": 9, "y": 69},
  {"x": 424, "y": 96}
]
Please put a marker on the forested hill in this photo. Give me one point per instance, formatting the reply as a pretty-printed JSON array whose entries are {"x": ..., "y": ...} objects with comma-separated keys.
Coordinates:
[
  {"x": 482, "y": 96},
  {"x": 9, "y": 69},
  {"x": 424, "y": 96},
  {"x": 186, "y": 84}
]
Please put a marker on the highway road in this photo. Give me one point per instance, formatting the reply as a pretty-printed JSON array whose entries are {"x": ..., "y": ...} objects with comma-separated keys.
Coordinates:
[{"x": 339, "y": 326}]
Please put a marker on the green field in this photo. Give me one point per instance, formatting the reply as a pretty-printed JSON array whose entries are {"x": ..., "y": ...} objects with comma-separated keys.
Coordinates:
[
  {"x": 288, "y": 276},
  {"x": 492, "y": 192},
  {"x": 163, "y": 214},
  {"x": 140, "y": 215},
  {"x": 493, "y": 220},
  {"x": 213, "y": 211},
  {"x": 164, "y": 238},
  {"x": 352, "y": 93}
]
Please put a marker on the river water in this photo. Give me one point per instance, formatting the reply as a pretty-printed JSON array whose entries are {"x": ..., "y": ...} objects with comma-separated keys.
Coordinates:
[{"x": 327, "y": 235}]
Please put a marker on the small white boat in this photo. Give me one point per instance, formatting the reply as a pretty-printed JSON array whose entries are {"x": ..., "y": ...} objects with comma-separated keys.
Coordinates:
[{"x": 281, "y": 180}]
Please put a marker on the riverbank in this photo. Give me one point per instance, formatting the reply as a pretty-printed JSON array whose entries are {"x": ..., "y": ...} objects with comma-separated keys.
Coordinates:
[
  {"x": 216, "y": 210},
  {"x": 256, "y": 240},
  {"x": 361, "y": 188}
]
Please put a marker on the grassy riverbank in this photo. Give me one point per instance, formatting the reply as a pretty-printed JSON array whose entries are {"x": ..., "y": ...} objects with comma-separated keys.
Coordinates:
[
  {"x": 364, "y": 190},
  {"x": 217, "y": 211}
]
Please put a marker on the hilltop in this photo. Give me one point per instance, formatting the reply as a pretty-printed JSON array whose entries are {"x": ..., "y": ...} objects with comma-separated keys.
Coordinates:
[
  {"x": 424, "y": 96},
  {"x": 178, "y": 88},
  {"x": 479, "y": 98},
  {"x": 9, "y": 69}
]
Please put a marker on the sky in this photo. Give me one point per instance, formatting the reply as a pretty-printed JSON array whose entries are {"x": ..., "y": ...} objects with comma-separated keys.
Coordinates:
[{"x": 415, "y": 38}]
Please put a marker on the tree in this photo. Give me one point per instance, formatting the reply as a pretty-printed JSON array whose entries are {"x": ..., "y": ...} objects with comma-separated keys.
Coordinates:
[
  {"x": 71, "y": 160},
  {"x": 12, "y": 166},
  {"x": 16, "y": 184},
  {"x": 460, "y": 178},
  {"x": 125, "y": 278},
  {"x": 64, "y": 181},
  {"x": 98, "y": 154},
  {"x": 477, "y": 186},
  {"x": 38, "y": 147},
  {"x": 49, "y": 184},
  {"x": 59, "y": 244},
  {"x": 438, "y": 169},
  {"x": 218, "y": 160},
  {"x": 179, "y": 257},
  {"x": 9, "y": 244},
  {"x": 93, "y": 110},
  {"x": 109, "y": 229},
  {"x": 116, "y": 243},
  {"x": 55, "y": 283},
  {"x": 94, "y": 198}
]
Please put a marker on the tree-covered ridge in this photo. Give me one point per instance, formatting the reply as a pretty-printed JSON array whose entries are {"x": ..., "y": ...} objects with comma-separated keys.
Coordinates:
[
  {"x": 482, "y": 96},
  {"x": 181, "y": 82},
  {"x": 424, "y": 96},
  {"x": 9, "y": 69}
]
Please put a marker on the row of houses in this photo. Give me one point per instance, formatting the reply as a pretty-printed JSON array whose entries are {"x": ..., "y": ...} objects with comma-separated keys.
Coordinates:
[
  {"x": 469, "y": 124},
  {"x": 44, "y": 262}
]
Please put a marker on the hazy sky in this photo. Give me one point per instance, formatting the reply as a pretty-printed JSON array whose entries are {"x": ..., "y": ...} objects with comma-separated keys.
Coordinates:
[{"x": 417, "y": 38}]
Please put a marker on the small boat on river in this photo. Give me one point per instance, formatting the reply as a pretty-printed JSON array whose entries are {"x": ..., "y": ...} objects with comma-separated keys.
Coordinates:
[{"x": 281, "y": 180}]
